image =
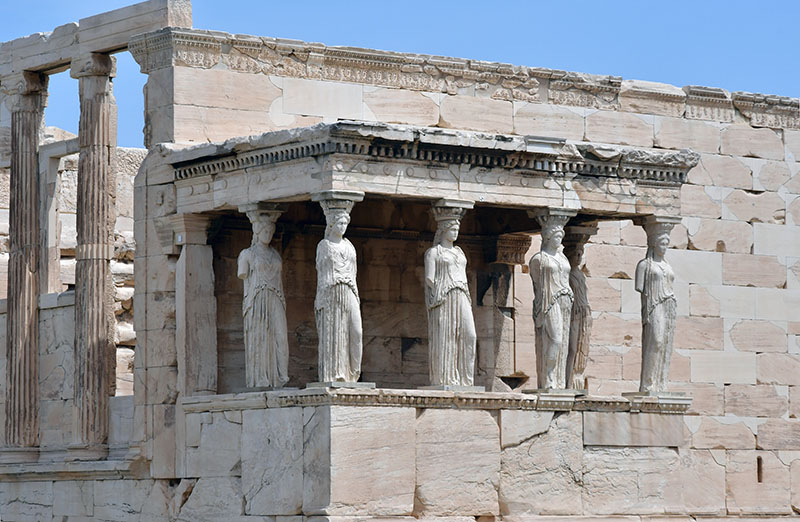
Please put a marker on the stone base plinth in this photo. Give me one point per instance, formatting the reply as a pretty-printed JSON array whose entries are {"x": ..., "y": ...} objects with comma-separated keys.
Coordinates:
[
  {"x": 18, "y": 455},
  {"x": 87, "y": 452},
  {"x": 454, "y": 388},
  {"x": 341, "y": 384}
]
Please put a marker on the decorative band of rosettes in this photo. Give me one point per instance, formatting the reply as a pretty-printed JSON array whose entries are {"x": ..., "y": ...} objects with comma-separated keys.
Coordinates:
[{"x": 94, "y": 251}]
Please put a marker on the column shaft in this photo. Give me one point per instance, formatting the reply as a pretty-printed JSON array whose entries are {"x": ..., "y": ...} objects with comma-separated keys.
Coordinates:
[
  {"x": 22, "y": 373},
  {"x": 94, "y": 312}
]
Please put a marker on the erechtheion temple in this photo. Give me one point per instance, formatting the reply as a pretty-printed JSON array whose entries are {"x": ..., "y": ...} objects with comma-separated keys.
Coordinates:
[{"x": 347, "y": 285}]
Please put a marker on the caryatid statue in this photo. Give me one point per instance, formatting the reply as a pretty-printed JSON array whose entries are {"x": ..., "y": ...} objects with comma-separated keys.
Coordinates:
[
  {"x": 264, "y": 306},
  {"x": 552, "y": 301},
  {"x": 581, "y": 320},
  {"x": 654, "y": 280},
  {"x": 337, "y": 305},
  {"x": 451, "y": 327}
]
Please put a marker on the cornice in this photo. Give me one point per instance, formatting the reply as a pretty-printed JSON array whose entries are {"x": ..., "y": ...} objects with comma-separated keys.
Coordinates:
[{"x": 374, "y": 141}]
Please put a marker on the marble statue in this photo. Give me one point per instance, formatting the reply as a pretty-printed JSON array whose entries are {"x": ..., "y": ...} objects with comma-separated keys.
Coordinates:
[
  {"x": 264, "y": 306},
  {"x": 337, "y": 305},
  {"x": 552, "y": 304},
  {"x": 451, "y": 327},
  {"x": 581, "y": 318},
  {"x": 654, "y": 279}
]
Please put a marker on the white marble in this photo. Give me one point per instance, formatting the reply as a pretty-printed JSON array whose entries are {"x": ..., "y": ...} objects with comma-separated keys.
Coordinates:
[
  {"x": 451, "y": 326},
  {"x": 264, "y": 306}
]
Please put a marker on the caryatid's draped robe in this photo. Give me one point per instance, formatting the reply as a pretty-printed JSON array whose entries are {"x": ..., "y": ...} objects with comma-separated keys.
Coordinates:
[
  {"x": 552, "y": 311},
  {"x": 337, "y": 312},
  {"x": 451, "y": 327}
]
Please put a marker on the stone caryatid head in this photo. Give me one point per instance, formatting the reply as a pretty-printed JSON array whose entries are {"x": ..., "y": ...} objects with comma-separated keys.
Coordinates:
[{"x": 448, "y": 219}]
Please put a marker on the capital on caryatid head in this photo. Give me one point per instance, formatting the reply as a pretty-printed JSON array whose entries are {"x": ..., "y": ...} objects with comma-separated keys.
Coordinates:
[
  {"x": 655, "y": 226},
  {"x": 575, "y": 237},
  {"x": 448, "y": 209},
  {"x": 334, "y": 202},
  {"x": 552, "y": 218},
  {"x": 263, "y": 211},
  {"x": 93, "y": 64}
]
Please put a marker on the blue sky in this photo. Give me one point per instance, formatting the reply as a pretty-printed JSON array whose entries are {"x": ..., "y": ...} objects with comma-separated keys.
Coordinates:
[{"x": 739, "y": 46}]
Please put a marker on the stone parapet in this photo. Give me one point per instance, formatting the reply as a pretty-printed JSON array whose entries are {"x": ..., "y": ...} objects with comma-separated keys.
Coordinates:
[{"x": 193, "y": 48}]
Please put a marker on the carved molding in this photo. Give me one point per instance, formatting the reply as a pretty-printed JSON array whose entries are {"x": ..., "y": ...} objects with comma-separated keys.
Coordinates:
[
  {"x": 768, "y": 111},
  {"x": 371, "y": 141},
  {"x": 708, "y": 103},
  {"x": 429, "y": 399}
]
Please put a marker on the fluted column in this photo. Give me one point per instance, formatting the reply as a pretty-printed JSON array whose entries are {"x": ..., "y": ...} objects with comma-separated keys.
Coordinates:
[
  {"x": 28, "y": 92},
  {"x": 94, "y": 312}
]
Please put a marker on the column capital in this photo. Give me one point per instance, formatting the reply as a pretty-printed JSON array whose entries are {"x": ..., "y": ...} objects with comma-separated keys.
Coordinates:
[
  {"x": 93, "y": 64},
  {"x": 654, "y": 226},
  {"x": 511, "y": 249},
  {"x": 189, "y": 229},
  {"x": 578, "y": 234},
  {"x": 23, "y": 83},
  {"x": 263, "y": 210}
]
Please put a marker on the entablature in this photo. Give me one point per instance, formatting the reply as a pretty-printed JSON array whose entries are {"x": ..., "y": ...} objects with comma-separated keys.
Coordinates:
[{"x": 401, "y": 161}]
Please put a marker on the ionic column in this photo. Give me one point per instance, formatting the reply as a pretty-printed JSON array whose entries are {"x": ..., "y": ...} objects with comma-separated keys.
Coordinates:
[
  {"x": 94, "y": 311},
  {"x": 28, "y": 92},
  {"x": 580, "y": 330}
]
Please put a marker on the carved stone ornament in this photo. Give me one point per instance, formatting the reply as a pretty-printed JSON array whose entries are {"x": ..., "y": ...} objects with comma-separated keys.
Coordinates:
[
  {"x": 654, "y": 280},
  {"x": 552, "y": 302},
  {"x": 451, "y": 327},
  {"x": 337, "y": 305},
  {"x": 264, "y": 306}
]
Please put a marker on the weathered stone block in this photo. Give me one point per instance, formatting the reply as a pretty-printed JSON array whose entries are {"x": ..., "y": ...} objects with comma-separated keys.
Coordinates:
[
  {"x": 678, "y": 133},
  {"x": 695, "y": 201},
  {"x": 218, "y": 454},
  {"x": 517, "y": 426},
  {"x": 632, "y": 429},
  {"x": 29, "y": 501},
  {"x": 73, "y": 498},
  {"x": 776, "y": 240},
  {"x": 121, "y": 500},
  {"x": 722, "y": 433},
  {"x": 623, "y": 128},
  {"x": 703, "y": 268},
  {"x": 631, "y": 480},
  {"x": 746, "y": 494},
  {"x": 457, "y": 463},
  {"x": 322, "y": 98},
  {"x": 778, "y": 368},
  {"x": 723, "y": 367},
  {"x": 749, "y": 335},
  {"x": 702, "y": 303},
  {"x": 538, "y": 119},
  {"x": 480, "y": 114},
  {"x": 272, "y": 461},
  {"x": 752, "y": 270},
  {"x": 777, "y": 304},
  {"x": 358, "y": 461},
  {"x": 721, "y": 171},
  {"x": 400, "y": 106},
  {"x": 707, "y": 399},
  {"x": 720, "y": 235},
  {"x": 698, "y": 333},
  {"x": 214, "y": 499},
  {"x": 651, "y": 98},
  {"x": 779, "y": 434},
  {"x": 771, "y": 175},
  {"x": 743, "y": 140},
  {"x": 764, "y": 207},
  {"x": 755, "y": 401},
  {"x": 542, "y": 475}
]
